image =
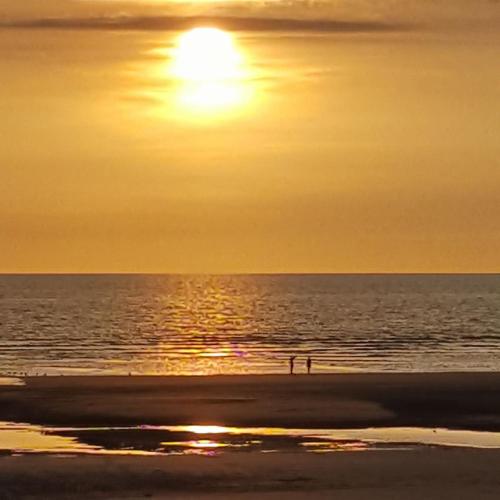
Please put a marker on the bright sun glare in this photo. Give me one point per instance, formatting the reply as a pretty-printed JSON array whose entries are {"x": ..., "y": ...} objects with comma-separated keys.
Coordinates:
[
  {"x": 206, "y": 54},
  {"x": 210, "y": 69}
]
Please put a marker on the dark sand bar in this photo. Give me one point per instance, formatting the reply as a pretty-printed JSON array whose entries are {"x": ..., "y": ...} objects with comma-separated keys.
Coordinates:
[{"x": 453, "y": 400}]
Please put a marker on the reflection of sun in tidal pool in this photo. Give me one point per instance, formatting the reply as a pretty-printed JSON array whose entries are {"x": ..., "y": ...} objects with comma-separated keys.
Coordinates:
[{"x": 210, "y": 70}]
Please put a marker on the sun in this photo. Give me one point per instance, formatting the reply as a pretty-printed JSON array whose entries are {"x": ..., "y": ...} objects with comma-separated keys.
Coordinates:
[
  {"x": 210, "y": 70},
  {"x": 206, "y": 54}
]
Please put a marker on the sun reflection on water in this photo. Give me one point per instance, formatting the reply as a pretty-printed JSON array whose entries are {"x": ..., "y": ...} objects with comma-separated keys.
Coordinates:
[
  {"x": 206, "y": 429},
  {"x": 204, "y": 337},
  {"x": 201, "y": 443}
]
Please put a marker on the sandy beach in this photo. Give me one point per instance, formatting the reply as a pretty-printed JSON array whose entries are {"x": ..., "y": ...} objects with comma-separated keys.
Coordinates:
[
  {"x": 461, "y": 401},
  {"x": 433, "y": 473},
  {"x": 453, "y": 400}
]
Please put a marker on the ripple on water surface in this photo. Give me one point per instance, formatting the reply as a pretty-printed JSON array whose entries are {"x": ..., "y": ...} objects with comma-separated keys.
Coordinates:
[{"x": 241, "y": 324}]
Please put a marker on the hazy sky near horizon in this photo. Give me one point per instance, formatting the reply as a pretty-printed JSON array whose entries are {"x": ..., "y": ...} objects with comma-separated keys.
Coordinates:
[{"x": 309, "y": 149}]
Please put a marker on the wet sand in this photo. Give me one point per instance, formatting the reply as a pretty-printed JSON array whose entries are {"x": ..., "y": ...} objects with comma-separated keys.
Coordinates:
[
  {"x": 431, "y": 474},
  {"x": 453, "y": 400},
  {"x": 461, "y": 401}
]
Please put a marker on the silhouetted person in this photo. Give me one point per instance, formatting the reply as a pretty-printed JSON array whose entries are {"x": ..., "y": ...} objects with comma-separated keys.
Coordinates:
[
  {"x": 292, "y": 360},
  {"x": 309, "y": 364}
]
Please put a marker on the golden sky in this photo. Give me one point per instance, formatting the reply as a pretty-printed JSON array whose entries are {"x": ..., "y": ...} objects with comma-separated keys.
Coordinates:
[{"x": 269, "y": 146}]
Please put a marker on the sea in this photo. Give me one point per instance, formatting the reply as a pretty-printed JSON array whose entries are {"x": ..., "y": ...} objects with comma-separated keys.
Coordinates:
[{"x": 228, "y": 324}]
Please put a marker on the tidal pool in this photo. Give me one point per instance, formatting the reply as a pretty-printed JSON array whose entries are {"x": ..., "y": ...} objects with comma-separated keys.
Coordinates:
[{"x": 210, "y": 440}]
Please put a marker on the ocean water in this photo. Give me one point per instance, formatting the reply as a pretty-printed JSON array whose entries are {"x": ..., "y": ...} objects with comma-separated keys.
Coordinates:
[{"x": 171, "y": 324}]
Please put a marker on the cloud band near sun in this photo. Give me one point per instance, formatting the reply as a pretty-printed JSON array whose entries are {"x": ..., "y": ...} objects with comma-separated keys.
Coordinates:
[{"x": 165, "y": 23}]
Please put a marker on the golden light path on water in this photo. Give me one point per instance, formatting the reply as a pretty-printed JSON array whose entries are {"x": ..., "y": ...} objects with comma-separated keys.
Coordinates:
[{"x": 210, "y": 71}]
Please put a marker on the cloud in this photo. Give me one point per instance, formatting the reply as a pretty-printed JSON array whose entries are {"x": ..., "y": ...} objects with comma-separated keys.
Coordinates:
[
  {"x": 234, "y": 23},
  {"x": 367, "y": 15}
]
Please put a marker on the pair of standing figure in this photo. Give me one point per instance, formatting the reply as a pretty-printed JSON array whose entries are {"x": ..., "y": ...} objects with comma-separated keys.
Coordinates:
[{"x": 308, "y": 364}]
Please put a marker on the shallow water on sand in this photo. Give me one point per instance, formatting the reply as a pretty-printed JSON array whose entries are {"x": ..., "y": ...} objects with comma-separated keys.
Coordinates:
[
  {"x": 161, "y": 324},
  {"x": 213, "y": 440},
  {"x": 11, "y": 381}
]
